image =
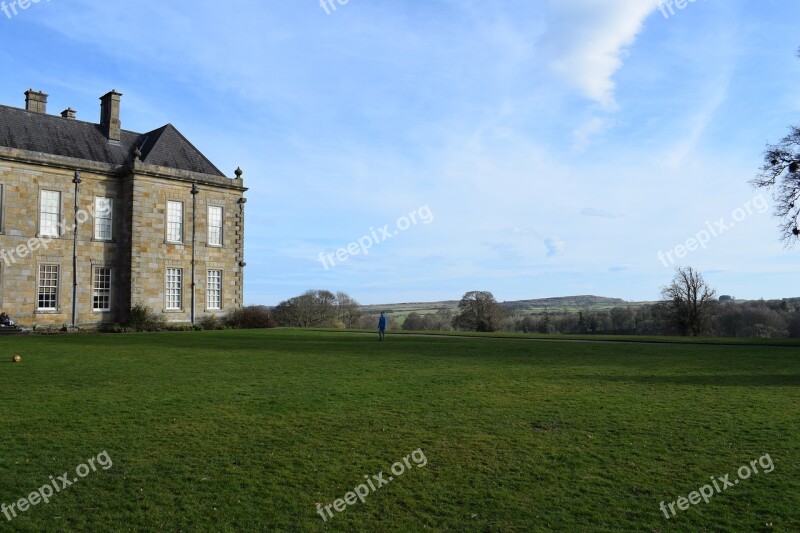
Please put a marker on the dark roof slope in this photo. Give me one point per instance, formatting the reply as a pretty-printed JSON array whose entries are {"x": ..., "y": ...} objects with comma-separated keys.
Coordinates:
[
  {"x": 167, "y": 147},
  {"x": 49, "y": 134}
]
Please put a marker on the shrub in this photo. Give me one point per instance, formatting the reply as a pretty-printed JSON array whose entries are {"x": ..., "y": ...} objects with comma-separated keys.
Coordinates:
[
  {"x": 211, "y": 323},
  {"x": 116, "y": 328},
  {"x": 252, "y": 317},
  {"x": 142, "y": 318},
  {"x": 182, "y": 326}
]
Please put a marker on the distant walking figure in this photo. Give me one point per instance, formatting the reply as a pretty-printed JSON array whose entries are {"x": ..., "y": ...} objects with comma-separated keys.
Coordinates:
[{"x": 381, "y": 327}]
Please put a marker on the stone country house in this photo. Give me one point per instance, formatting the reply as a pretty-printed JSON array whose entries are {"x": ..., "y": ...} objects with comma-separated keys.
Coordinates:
[{"x": 95, "y": 219}]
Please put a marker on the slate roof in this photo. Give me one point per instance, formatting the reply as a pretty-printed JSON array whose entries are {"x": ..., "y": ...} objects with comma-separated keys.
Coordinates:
[{"x": 55, "y": 135}]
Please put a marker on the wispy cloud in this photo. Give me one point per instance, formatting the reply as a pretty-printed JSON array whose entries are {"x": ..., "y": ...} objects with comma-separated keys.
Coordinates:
[
  {"x": 555, "y": 246},
  {"x": 620, "y": 268},
  {"x": 587, "y": 40},
  {"x": 599, "y": 213},
  {"x": 586, "y": 132}
]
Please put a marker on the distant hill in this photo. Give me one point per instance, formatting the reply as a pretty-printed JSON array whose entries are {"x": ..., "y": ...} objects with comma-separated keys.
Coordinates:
[
  {"x": 566, "y": 303},
  {"x": 408, "y": 307}
]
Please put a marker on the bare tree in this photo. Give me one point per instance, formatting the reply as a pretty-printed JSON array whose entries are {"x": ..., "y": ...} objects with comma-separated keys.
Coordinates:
[
  {"x": 318, "y": 309},
  {"x": 781, "y": 173},
  {"x": 312, "y": 309},
  {"x": 690, "y": 303},
  {"x": 479, "y": 311},
  {"x": 348, "y": 311}
]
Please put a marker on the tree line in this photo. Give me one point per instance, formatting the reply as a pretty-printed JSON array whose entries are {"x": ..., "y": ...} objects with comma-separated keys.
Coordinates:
[{"x": 688, "y": 307}]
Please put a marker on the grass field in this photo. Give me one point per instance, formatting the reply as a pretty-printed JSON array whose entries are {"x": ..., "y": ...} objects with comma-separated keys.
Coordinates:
[{"x": 224, "y": 431}]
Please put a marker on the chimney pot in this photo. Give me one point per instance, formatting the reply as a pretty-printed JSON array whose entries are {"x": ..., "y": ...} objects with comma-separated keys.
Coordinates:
[
  {"x": 69, "y": 113},
  {"x": 35, "y": 101},
  {"x": 109, "y": 115}
]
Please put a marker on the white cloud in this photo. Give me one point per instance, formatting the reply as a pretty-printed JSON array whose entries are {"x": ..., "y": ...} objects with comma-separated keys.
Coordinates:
[
  {"x": 587, "y": 40},
  {"x": 700, "y": 121},
  {"x": 599, "y": 213},
  {"x": 555, "y": 246},
  {"x": 583, "y": 135}
]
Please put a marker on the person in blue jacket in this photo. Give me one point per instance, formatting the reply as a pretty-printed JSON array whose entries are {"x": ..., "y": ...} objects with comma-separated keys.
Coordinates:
[{"x": 382, "y": 327}]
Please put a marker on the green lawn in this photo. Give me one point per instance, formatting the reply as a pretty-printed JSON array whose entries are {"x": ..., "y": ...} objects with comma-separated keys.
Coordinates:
[{"x": 224, "y": 431}]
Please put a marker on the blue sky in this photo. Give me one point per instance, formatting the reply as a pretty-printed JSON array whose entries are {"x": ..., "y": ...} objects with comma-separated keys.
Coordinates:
[{"x": 558, "y": 146}]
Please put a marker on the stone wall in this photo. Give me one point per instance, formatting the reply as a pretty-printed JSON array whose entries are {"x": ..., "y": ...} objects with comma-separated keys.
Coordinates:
[
  {"x": 153, "y": 255},
  {"x": 23, "y": 249},
  {"x": 138, "y": 253}
]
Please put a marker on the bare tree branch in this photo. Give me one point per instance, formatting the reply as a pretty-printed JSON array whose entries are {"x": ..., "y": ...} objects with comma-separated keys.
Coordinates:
[
  {"x": 690, "y": 303},
  {"x": 781, "y": 173}
]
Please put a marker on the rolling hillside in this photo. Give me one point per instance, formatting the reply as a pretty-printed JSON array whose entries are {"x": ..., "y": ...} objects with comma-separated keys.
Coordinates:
[{"x": 563, "y": 303}]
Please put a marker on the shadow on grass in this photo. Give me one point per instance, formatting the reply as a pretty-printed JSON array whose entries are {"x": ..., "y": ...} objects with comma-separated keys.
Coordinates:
[{"x": 758, "y": 380}]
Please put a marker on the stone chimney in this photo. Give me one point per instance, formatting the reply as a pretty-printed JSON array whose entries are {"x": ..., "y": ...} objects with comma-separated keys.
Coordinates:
[
  {"x": 109, "y": 115},
  {"x": 68, "y": 113},
  {"x": 35, "y": 101}
]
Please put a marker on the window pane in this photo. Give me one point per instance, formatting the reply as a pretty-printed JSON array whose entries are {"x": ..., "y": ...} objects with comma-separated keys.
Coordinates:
[
  {"x": 101, "y": 294},
  {"x": 174, "y": 293},
  {"x": 48, "y": 287},
  {"x": 174, "y": 221},
  {"x": 49, "y": 212},
  {"x": 215, "y": 226},
  {"x": 103, "y": 208},
  {"x": 214, "y": 292}
]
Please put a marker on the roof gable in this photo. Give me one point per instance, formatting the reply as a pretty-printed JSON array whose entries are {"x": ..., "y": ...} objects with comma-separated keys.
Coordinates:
[
  {"x": 48, "y": 134},
  {"x": 167, "y": 147}
]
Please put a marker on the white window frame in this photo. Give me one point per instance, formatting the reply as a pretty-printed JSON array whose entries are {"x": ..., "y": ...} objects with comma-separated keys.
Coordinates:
[
  {"x": 102, "y": 292},
  {"x": 49, "y": 286},
  {"x": 49, "y": 228},
  {"x": 214, "y": 292},
  {"x": 173, "y": 292},
  {"x": 174, "y": 227},
  {"x": 103, "y": 219},
  {"x": 2, "y": 207},
  {"x": 215, "y": 237}
]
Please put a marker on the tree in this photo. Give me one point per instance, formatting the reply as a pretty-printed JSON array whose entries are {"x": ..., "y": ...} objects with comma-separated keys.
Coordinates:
[
  {"x": 312, "y": 309},
  {"x": 479, "y": 311},
  {"x": 413, "y": 322},
  {"x": 428, "y": 322},
  {"x": 348, "y": 310},
  {"x": 251, "y": 317},
  {"x": 781, "y": 173},
  {"x": 546, "y": 326},
  {"x": 689, "y": 302},
  {"x": 444, "y": 320},
  {"x": 622, "y": 320}
]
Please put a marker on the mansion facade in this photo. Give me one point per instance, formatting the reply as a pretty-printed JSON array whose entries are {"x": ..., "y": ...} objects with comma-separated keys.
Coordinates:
[{"x": 95, "y": 219}]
